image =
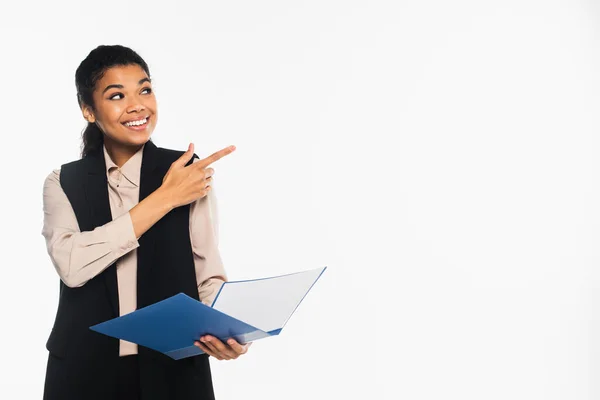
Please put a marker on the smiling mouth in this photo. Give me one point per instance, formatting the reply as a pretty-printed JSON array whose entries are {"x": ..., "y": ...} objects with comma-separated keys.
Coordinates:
[{"x": 137, "y": 123}]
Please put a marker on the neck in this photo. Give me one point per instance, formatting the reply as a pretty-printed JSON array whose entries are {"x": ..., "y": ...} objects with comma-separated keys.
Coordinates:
[{"x": 118, "y": 152}]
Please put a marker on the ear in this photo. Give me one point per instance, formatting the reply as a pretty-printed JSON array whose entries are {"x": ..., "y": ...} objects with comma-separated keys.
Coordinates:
[{"x": 88, "y": 114}]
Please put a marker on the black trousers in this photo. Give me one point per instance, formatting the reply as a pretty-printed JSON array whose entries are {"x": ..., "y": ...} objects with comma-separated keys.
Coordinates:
[
  {"x": 149, "y": 377},
  {"x": 129, "y": 378}
]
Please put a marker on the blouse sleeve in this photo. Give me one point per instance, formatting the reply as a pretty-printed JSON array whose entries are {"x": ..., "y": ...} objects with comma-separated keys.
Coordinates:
[
  {"x": 79, "y": 256},
  {"x": 204, "y": 231}
]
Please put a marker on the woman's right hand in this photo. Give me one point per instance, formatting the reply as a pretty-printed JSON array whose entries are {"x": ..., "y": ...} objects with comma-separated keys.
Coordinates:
[{"x": 183, "y": 185}]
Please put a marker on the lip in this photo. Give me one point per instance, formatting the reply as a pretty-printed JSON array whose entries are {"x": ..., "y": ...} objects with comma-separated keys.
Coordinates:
[
  {"x": 135, "y": 119},
  {"x": 138, "y": 127}
]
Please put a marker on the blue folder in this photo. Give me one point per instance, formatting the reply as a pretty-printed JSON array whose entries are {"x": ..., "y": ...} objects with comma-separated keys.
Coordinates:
[{"x": 171, "y": 326}]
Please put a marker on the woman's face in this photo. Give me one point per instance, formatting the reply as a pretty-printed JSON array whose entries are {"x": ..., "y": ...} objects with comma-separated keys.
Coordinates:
[{"x": 125, "y": 106}]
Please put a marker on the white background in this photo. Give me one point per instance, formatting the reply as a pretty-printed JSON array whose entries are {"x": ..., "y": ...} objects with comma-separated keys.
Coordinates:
[{"x": 441, "y": 158}]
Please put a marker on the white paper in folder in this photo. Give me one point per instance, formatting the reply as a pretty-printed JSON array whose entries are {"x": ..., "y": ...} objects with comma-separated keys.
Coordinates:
[{"x": 266, "y": 303}]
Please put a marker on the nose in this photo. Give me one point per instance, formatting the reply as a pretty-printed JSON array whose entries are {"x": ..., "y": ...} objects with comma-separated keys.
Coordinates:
[{"x": 135, "y": 108}]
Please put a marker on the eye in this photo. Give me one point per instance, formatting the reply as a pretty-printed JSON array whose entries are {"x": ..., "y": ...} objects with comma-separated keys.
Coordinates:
[
  {"x": 149, "y": 90},
  {"x": 112, "y": 97}
]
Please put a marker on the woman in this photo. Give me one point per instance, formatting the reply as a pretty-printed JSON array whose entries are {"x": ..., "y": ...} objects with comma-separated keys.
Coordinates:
[{"x": 128, "y": 225}]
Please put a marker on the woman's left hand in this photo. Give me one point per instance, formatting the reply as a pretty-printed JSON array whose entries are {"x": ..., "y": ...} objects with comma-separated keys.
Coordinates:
[{"x": 219, "y": 350}]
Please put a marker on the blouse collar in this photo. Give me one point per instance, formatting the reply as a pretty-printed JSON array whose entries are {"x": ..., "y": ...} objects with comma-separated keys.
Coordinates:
[{"x": 131, "y": 168}]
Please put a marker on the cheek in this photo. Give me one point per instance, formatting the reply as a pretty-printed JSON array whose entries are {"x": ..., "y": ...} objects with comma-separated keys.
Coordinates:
[
  {"x": 114, "y": 113},
  {"x": 151, "y": 105},
  {"x": 109, "y": 114}
]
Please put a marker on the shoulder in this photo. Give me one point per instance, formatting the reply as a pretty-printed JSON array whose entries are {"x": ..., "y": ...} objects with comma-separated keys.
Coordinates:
[
  {"x": 52, "y": 190},
  {"x": 75, "y": 165},
  {"x": 72, "y": 168},
  {"x": 73, "y": 173},
  {"x": 53, "y": 178}
]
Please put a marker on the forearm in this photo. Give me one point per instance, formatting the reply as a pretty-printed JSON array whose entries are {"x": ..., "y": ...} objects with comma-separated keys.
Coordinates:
[
  {"x": 80, "y": 256},
  {"x": 149, "y": 211}
]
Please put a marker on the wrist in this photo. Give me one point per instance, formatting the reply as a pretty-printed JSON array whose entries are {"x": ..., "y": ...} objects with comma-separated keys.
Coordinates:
[{"x": 164, "y": 199}]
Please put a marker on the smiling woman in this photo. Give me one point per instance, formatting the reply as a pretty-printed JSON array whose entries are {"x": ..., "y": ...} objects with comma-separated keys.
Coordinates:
[
  {"x": 121, "y": 97},
  {"x": 102, "y": 231}
]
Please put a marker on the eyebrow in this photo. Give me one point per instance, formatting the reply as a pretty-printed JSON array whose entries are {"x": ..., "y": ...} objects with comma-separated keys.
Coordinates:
[{"x": 121, "y": 86}]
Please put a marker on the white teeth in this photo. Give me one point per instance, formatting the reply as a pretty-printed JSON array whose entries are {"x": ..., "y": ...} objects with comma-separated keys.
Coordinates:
[{"x": 136, "y": 123}]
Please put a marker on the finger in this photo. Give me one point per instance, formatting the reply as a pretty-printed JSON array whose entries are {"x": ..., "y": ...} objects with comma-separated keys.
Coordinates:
[
  {"x": 218, "y": 346},
  {"x": 205, "y": 341},
  {"x": 185, "y": 157},
  {"x": 238, "y": 348},
  {"x": 208, "y": 351},
  {"x": 214, "y": 157},
  {"x": 207, "y": 175},
  {"x": 207, "y": 182},
  {"x": 218, "y": 354}
]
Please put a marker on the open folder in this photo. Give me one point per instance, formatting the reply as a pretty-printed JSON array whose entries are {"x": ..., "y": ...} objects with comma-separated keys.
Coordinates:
[{"x": 244, "y": 310}]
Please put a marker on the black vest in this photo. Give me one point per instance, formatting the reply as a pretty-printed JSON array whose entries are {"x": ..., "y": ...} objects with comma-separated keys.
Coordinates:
[{"x": 82, "y": 363}]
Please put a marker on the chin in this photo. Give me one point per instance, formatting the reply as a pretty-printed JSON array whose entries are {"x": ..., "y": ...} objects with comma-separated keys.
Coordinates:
[
  {"x": 131, "y": 141},
  {"x": 138, "y": 138},
  {"x": 140, "y": 141},
  {"x": 129, "y": 138}
]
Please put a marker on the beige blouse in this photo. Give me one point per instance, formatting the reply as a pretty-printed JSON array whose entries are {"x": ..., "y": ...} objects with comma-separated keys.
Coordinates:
[{"x": 79, "y": 256}]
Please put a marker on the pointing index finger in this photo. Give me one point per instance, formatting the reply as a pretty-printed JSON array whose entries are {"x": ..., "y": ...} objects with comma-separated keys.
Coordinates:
[{"x": 215, "y": 156}]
